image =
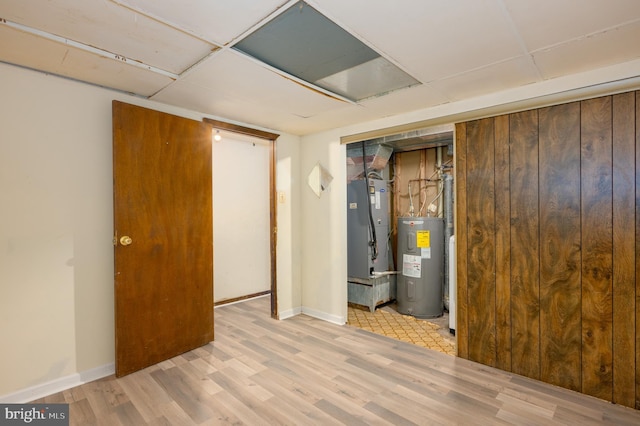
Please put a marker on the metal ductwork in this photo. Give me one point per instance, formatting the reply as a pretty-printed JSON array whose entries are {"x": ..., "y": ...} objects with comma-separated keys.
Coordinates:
[
  {"x": 379, "y": 150},
  {"x": 416, "y": 139}
]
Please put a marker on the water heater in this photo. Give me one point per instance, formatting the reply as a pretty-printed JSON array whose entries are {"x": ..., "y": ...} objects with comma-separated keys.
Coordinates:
[{"x": 420, "y": 266}]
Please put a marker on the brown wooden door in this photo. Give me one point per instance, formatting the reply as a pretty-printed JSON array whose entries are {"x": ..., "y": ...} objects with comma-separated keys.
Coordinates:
[{"x": 162, "y": 202}]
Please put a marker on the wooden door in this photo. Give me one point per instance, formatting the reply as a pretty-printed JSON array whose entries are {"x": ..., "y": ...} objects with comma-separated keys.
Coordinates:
[{"x": 163, "y": 239}]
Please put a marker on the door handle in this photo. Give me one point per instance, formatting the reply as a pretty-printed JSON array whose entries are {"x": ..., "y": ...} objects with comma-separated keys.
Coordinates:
[{"x": 125, "y": 240}]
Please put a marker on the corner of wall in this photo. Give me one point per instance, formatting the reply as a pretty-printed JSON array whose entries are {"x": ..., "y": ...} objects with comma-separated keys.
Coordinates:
[{"x": 288, "y": 188}]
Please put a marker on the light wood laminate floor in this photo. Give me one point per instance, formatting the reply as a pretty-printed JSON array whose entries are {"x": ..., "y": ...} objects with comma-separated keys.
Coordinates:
[{"x": 304, "y": 371}]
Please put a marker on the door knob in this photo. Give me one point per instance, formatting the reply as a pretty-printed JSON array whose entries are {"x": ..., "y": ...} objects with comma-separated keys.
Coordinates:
[{"x": 125, "y": 240}]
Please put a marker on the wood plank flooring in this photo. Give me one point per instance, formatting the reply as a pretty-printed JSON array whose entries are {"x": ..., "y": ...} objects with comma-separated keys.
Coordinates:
[{"x": 303, "y": 371}]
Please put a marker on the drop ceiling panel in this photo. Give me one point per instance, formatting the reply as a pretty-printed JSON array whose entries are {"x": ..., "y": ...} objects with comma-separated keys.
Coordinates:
[
  {"x": 232, "y": 85},
  {"x": 229, "y": 107},
  {"x": 216, "y": 21},
  {"x": 17, "y": 47},
  {"x": 456, "y": 49},
  {"x": 603, "y": 49},
  {"x": 111, "y": 27},
  {"x": 400, "y": 101},
  {"x": 494, "y": 78},
  {"x": 544, "y": 23},
  {"x": 432, "y": 40},
  {"x": 406, "y": 100}
]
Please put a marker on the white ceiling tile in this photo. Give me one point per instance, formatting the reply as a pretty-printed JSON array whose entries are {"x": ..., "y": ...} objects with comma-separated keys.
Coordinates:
[
  {"x": 543, "y": 23},
  {"x": 405, "y": 100},
  {"x": 226, "y": 106},
  {"x": 458, "y": 49},
  {"x": 229, "y": 84},
  {"x": 430, "y": 39},
  {"x": 614, "y": 46},
  {"x": 494, "y": 78},
  {"x": 18, "y": 48},
  {"x": 216, "y": 21},
  {"x": 111, "y": 27},
  {"x": 398, "y": 102}
]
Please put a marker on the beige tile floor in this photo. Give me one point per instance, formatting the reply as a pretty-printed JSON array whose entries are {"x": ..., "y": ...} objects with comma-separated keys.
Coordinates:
[{"x": 388, "y": 322}]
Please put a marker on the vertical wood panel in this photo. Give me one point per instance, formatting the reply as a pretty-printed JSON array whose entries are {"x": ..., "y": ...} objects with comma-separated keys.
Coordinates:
[
  {"x": 481, "y": 241},
  {"x": 525, "y": 287},
  {"x": 637, "y": 233},
  {"x": 624, "y": 288},
  {"x": 597, "y": 234},
  {"x": 503, "y": 244},
  {"x": 460, "y": 180},
  {"x": 572, "y": 198},
  {"x": 560, "y": 331}
]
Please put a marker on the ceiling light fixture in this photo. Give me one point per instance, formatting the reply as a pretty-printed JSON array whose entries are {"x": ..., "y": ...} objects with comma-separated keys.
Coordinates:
[{"x": 217, "y": 137}]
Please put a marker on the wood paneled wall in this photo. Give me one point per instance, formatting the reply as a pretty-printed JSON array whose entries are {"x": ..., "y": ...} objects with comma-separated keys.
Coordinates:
[{"x": 548, "y": 244}]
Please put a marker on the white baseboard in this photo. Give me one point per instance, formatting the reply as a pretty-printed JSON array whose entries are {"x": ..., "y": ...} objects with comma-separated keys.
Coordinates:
[
  {"x": 289, "y": 313},
  {"x": 312, "y": 313},
  {"x": 335, "y": 319},
  {"x": 57, "y": 385}
]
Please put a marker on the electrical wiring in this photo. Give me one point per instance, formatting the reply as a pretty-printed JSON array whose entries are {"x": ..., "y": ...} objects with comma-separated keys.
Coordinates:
[
  {"x": 439, "y": 170},
  {"x": 428, "y": 180},
  {"x": 410, "y": 201},
  {"x": 372, "y": 228},
  {"x": 432, "y": 201}
]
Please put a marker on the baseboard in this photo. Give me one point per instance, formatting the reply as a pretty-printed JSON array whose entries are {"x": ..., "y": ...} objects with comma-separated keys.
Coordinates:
[
  {"x": 312, "y": 313},
  {"x": 335, "y": 319},
  {"x": 57, "y": 385},
  {"x": 289, "y": 313},
  {"x": 241, "y": 298}
]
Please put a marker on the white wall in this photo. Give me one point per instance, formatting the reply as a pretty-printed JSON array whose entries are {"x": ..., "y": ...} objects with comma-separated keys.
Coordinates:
[
  {"x": 56, "y": 221},
  {"x": 324, "y": 244},
  {"x": 241, "y": 216},
  {"x": 288, "y": 207},
  {"x": 323, "y": 229},
  {"x": 56, "y": 254}
]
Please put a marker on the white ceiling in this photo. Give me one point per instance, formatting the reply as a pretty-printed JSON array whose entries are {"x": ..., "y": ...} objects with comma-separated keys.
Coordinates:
[{"x": 179, "y": 52}]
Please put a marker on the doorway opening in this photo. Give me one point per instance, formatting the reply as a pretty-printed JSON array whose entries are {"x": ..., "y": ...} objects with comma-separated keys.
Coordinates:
[
  {"x": 247, "y": 214},
  {"x": 400, "y": 237}
]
